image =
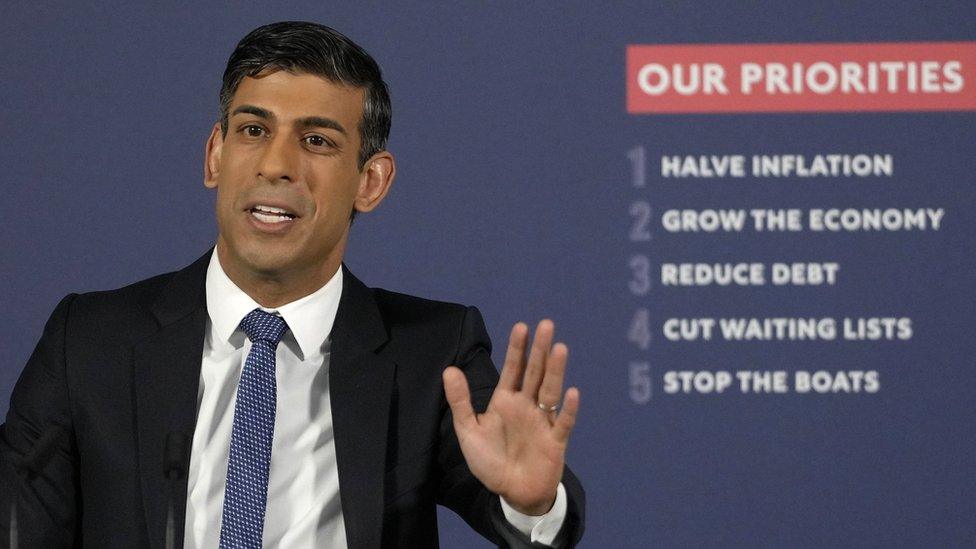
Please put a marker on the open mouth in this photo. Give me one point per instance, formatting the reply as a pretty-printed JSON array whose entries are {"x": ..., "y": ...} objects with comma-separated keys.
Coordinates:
[{"x": 271, "y": 214}]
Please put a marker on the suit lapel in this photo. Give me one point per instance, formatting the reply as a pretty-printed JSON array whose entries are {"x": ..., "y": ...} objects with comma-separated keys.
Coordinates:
[
  {"x": 166, "y": 378},
  {"x": 360, "y": 385}
]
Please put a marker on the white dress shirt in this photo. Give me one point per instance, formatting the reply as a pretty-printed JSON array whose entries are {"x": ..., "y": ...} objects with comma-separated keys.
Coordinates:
[{"x": 303, "y": 508}]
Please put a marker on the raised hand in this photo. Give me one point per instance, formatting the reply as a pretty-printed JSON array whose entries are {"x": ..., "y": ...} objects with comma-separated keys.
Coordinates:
[{"x": 518, "y": 446}]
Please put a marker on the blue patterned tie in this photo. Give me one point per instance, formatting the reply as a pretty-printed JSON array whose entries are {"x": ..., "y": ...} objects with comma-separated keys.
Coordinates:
[{"x": 246, "y": 495}]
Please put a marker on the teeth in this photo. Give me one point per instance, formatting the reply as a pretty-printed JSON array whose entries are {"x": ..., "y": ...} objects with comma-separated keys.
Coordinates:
[
  {"x": 271, "y": 209},
  {"x": 270, "y": 218}
]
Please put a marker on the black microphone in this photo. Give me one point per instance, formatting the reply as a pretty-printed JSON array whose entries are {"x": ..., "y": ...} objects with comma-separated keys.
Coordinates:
[
  {"x": 29, "y": 467},
  {"x": 174, "y": 458}
]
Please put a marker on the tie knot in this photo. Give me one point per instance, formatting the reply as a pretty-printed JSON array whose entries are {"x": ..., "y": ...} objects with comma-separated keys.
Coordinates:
[{"x": 262, "y": 326}]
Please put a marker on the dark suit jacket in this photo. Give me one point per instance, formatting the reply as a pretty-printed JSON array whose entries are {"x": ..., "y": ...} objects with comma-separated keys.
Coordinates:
[{"x": 119, "y": 370}]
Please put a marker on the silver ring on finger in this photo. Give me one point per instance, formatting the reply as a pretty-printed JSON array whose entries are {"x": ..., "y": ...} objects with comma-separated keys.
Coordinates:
[{"x": 547, "y": 408}]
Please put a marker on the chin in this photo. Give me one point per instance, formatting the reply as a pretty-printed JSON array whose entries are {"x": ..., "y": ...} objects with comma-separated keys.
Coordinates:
[{"x": 266, "y": 260}]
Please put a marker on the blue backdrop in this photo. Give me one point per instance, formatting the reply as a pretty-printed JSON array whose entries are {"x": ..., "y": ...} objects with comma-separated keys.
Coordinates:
[{"x": 514, "y": 194}]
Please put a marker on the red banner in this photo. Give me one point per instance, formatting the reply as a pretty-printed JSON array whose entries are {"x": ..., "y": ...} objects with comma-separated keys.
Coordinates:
[{"x": 715, "y": 78}]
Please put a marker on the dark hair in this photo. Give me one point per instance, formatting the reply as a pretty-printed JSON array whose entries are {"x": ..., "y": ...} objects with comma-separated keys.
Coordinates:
[{"x": 298, "y": 46}]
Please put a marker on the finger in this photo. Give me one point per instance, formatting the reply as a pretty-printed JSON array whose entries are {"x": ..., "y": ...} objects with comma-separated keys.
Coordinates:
[
  {"x": 567, "y": 416},
  {"x": 514, "y": 366},
  {"x": 459, "y": 398},
  {"x": 552, "y": 382},
  {"x": 536, "y": 366}
]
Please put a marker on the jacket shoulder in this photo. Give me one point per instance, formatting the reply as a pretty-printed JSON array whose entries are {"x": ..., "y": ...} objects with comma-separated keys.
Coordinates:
[
  {"x": 412, "y": 321},
  {"x": 134, "y": 298},
  {"x": 165, "y": 297},
  {"x": 403, "y": 308}
]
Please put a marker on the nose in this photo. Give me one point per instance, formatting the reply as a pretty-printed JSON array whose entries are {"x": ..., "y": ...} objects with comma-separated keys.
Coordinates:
[{"x": 278, "y": 159}]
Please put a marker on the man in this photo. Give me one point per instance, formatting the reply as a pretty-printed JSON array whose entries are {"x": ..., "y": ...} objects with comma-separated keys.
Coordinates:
[{"x": 317, "y": 412}]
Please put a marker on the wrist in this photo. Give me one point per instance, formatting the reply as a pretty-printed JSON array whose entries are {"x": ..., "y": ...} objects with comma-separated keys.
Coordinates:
[
  {"x": 541, "y": 529},
  {"x": 533, "y": 509}
]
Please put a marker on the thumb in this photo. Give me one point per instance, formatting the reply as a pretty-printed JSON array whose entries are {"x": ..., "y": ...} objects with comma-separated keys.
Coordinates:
[{"x": 459, "y": 398}]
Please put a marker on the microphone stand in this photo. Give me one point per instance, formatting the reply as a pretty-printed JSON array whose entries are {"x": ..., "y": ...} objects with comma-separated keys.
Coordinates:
[
  {"x": 174, "y": 468},
  {"x": 27, "y": 468},
  {"x": 14, "y": 533}
]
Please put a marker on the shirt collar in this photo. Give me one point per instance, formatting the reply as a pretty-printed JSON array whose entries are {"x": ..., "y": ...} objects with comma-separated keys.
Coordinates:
[{"x": 309, "y": 319}]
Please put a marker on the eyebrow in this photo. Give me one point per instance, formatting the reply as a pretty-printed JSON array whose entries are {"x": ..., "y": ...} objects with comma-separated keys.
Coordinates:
[{"x": 307, "y": 122}]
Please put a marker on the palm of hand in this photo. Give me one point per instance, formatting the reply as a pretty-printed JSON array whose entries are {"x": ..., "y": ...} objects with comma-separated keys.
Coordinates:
[{"x": 515, "y": 448}]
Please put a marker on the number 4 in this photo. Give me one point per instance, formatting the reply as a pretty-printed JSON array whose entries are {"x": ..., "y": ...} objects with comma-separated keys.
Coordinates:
[{"x": 640, "y": 329}]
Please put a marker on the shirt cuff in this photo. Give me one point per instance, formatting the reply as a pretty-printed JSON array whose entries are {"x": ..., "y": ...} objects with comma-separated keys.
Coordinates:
[{"x": 543, "y": 528}]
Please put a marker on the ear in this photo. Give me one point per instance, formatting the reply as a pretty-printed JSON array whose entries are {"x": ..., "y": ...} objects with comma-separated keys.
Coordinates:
[
  {"x": 211, "y": 157},
  {"x": 375, "y": 181}
]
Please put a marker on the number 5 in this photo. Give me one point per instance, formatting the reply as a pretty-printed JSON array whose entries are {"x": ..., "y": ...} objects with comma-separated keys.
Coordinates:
[{"x": 640, "y": 382}]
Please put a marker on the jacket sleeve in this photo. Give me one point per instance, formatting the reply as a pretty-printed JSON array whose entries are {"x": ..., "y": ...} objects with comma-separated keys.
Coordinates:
[
  {"x": 46, "y": 499},
  {"x": 459, "y": 490}
]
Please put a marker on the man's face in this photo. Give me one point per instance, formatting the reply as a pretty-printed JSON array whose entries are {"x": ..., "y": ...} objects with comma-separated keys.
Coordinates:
[{"x": 287, "y": 175}]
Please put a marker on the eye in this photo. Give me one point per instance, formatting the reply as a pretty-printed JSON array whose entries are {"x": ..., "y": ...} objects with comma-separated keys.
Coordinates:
[
  {"x": 318, "y": 142},
  {"x": 252, "y": 130}
]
